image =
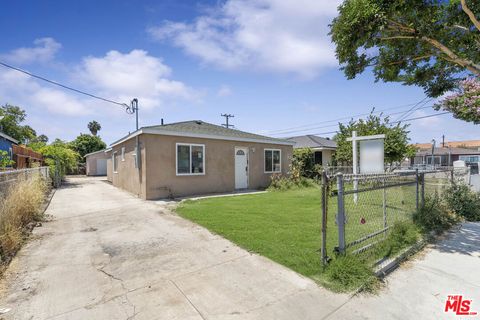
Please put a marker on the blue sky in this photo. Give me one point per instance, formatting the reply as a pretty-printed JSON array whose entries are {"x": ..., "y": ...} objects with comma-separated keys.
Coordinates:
[{"x": 269, "y": 62}]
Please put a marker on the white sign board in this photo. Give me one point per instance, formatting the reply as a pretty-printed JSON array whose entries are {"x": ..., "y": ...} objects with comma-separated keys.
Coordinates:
[{"x": 372, "y": 156}]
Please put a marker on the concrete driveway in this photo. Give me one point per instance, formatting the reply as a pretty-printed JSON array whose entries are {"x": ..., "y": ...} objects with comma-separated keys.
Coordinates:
[{"x": 109, "y": 255}]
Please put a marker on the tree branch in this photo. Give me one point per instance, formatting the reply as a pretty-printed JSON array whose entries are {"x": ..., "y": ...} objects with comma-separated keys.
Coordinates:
[
  {"x": 470, "y": 14},
  {"x": 398, "y": 37},
  {"x": 411, "y": 59},
  {"x": 471, "y": 66}
]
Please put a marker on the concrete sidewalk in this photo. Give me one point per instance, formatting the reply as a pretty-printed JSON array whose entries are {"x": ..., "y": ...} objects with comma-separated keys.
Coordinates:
[
  {"x": 109, "y": 255},
  {"x": 418, "y": 289}
]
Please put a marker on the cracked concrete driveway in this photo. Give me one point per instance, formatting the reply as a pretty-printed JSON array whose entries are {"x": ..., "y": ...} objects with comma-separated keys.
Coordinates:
[{"x": 109, "y": 255}]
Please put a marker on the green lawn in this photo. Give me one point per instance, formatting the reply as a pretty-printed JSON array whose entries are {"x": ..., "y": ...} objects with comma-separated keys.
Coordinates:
[{"x": 285, "y": 226}]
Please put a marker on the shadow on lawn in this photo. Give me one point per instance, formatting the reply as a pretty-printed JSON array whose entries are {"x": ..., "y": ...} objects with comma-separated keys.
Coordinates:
[{"x": 464, "y": 240}]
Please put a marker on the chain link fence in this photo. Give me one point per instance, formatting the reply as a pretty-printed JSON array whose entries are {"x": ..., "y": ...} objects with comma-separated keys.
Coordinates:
[
  {"x": 359, "y": 209},
  {"x": 9, "y": 178}
]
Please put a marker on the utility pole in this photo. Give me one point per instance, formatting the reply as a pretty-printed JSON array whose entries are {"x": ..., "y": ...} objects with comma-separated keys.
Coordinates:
[{"x": 227, "y": 116}]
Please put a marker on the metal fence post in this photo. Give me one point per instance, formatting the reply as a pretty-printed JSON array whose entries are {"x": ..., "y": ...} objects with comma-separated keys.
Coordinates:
[
  {"x": 384, "y": 204},
  {"x": 417, "y": 196},
  {"x": 324, "y": 216},
  {"x": 341, "y": 214},
  {"x": 422, "y": 192}
]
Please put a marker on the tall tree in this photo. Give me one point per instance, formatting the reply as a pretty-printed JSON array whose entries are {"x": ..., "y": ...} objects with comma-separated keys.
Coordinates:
[
  {"x": 429, "y": 43},
  {"x": 94, "y": 127},
  {"x": 396, "y": 138},
  {"x": 11, "y": 123},
  {"x": 86, "y": 143}
]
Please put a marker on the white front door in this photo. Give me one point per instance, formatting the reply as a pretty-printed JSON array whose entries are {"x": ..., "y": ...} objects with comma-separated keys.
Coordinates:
[{"x": 241, "y": 168}]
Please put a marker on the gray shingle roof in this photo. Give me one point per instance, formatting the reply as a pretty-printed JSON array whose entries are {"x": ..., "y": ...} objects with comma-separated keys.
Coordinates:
[
  {"x": 311, "y": 141},
  {"x": 201, "y": 128}
]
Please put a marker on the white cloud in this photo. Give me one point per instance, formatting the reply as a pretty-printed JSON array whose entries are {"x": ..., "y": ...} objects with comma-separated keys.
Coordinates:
[
  {"x": 43, "y": 51},
  {"x": 271, "y": 35},
  {"x": 116, "y": 76},
  {"x": 135, "y": 74},
  {"x": 224, "y": 91},
  {"x": 426, "y": 122},
  {"x": 20, "y": 89}
]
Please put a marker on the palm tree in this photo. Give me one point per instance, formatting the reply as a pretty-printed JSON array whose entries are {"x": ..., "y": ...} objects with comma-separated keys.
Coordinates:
[{"x": 94, "y": 127}]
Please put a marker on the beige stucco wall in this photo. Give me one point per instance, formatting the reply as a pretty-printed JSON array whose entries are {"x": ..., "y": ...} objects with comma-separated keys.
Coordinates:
[
  {"x": 159, "y": 179},
  {"x": 127, "y": 176},
  {"x": 219, "y": 176},
  {"x": 91, "y": 162},
  {"x": 327, "y": 157},
  {"x": 109, "y": 167}
]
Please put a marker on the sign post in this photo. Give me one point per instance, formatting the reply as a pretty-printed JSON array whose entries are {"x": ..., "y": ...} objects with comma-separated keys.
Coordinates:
[{"x": 371, "y": 156}]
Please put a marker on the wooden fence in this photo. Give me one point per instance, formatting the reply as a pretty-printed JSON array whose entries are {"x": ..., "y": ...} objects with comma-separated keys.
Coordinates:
[{"x": 25, "y": 158}]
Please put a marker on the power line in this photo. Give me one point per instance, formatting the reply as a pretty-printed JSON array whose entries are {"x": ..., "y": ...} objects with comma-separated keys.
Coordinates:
[
  {"x": 405, "y": 120},
  {"x": 65, "y": 86},
  {"x": 343, "y": 118},
  {"x": 333, "y": 125},
  {"x": 414, "y": 108}
]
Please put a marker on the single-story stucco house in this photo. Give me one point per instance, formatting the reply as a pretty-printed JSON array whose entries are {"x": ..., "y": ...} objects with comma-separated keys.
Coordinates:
[
  {"x": 195, "y": 157},
  {"x": 96, "y": 162},
  {"x": 323, "y": 148}
]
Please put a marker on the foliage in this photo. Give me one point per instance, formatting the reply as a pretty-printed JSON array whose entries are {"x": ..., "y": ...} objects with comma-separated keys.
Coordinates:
[
  {"x": 396, "y": 138},
  {"x": 59, "y": 157},
  {"x": 400, "y": 236},
  {"x": 86, "y": 143},
  {"x": 463, "y": 201},
  {"x": 303, "y": 161},
  {"x": 424, "y": 43},
  {"x": 10, "y": 124},
  {"x": 5, "y": 160},
  {"x": 465, "y": 103},
  {"x": 18, "y": 208},
  {"x": 435, "y": 215},
  {"x": 41, "y": 138},
  {"x": 94, "y": 127},
  {"x": 282, "y": 183},
  {"x": 346, "y": 273}
]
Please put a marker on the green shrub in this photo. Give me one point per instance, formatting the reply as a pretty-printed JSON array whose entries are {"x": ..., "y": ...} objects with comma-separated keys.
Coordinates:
[
  {"x": 435, "y": 215},
  {"x": 282, "y": 183},
  {"x": 346, "y": 273},
  {"x": 401, "y": 235},
  {"x": 463, "y": 201},
  {"x": 303, "y": 162}
]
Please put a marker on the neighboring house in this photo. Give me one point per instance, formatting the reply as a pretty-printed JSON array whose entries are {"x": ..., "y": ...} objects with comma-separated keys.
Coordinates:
[
  {"x": 468, "y": 144},
  {"x": 96, "y": 163},
  {"x": 323, "y": 148},
  {"x": 445, "y": 156},
  {"x": 195, "y": 157},
  {"x": 7, "y": 143}
]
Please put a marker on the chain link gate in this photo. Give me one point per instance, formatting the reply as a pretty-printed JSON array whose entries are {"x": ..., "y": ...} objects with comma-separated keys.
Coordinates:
[{"x": 366, "y": 206}]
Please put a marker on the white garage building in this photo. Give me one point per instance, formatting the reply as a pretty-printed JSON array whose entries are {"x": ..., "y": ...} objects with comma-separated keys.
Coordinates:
[{"x": 97, "y": 163}]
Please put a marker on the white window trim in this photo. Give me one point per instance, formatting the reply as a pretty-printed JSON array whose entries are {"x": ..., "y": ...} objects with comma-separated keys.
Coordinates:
[
  {"x": 264, "y": 158},
  {"x": 203, "y": 159},
  {"x": 123, "y": 153},
  {"x": 114, "y": 162}
]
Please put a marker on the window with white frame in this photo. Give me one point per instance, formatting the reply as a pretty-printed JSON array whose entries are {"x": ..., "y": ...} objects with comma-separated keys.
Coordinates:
[
  {"x": 273, "y": 162},
  {"x": 470, "y": 159},
  {"x": 190, "y": 159},
  {"x": 123, "y": 153},
  {"x": 115, "y": 162}
]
